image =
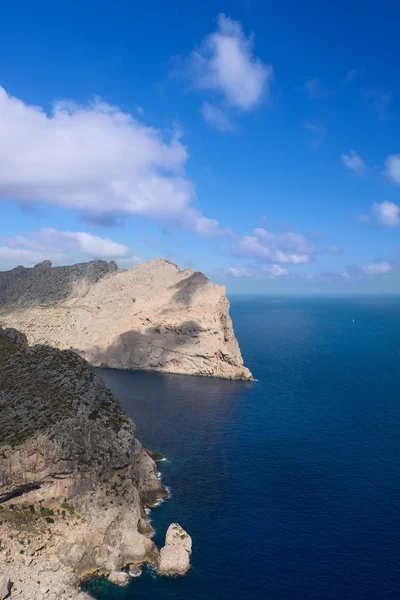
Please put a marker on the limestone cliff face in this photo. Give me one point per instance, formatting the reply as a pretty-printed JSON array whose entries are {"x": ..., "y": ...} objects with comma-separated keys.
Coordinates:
[
  {"x": 74, "y": 480},
  {"x": 154, "y": 317}
]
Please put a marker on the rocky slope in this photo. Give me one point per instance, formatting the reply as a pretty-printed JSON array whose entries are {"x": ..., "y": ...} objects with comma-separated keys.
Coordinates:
[
  {"x": 74, "y": 480},
  {"x": 154, "y": 317}
]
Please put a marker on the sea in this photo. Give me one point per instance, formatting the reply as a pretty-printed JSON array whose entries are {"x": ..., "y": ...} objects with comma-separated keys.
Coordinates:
[{"x": 288, "y": 485}]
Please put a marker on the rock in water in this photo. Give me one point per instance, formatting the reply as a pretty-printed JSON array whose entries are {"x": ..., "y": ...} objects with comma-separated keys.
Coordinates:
[
  {"x": 154, "y": 317},
  {"x": 74, "y": 480},
  {"x": 175, "y": 556},
  {"x": 119, "y": 578}
]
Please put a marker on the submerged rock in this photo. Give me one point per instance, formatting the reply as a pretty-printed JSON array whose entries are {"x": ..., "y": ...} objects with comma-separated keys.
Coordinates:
[
  {"x": 175, "y": 556},
  {"x": 154, "y": 317}
]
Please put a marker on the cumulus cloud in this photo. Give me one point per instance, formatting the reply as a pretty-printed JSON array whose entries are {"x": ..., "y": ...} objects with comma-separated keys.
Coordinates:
[
  {"x": 61, "y": 246},
  {"x": 386, "y": 214},
  {"x": 286, "y": 248},
  {"x": 216, "y": 118},
  {"x": 96, "y": 159},
  {"x": 225, "y": 64},
  {"x": 392, "y": 168},
  {"x": 354, "y": 162}
]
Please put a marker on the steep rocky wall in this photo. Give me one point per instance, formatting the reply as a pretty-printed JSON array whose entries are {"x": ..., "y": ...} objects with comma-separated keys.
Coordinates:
[
  {"x": 154, "y": 317},
  {"x": 74, "y": 480}
]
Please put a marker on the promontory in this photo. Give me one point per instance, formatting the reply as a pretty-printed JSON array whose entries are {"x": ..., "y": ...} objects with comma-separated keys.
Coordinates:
[
  {"x": 74, "y": 479},
  {"x": 154, "y": 317}
]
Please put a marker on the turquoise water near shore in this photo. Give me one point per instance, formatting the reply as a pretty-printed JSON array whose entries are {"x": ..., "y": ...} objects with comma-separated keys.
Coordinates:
[{"x": 289, "y": 486}]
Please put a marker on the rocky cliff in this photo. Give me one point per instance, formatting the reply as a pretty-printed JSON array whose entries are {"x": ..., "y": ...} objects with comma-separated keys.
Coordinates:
[
  {"x": 74, "y": 480},
  {"x": 154, "y": 317}
]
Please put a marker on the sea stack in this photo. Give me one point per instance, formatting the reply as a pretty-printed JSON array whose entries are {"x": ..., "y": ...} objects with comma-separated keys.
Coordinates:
[
  {"x": 154, "y": 317},
  {"x": 175, "y": 555}
]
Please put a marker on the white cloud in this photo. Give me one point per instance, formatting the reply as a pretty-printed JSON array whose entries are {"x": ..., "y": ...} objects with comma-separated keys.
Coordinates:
[
  {"x": 387, "y": 213},
  {"x": 354, "y": 162},
  {"x": 225, "y": 63},
  {"x": 216, "y": 118},
  {"x": 263, "y": 234},
  {"x": 95, "y": 159},
  {"x": 392, "y": 168},
  {"x": 240, "y": 272},
  {"x": 377, "y": 268},
  {"x": 286, "y": 248},
  {"x": 61, "y": 246}
]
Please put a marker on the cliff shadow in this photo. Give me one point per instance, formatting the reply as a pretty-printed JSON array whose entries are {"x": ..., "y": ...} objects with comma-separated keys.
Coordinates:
[
  {"x": 186, "y": 288},
  {"x": 151, "y": 350}
]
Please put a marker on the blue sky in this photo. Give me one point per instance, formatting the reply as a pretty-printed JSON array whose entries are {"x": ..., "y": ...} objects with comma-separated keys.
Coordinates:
[{"x": 255, "y": 141}]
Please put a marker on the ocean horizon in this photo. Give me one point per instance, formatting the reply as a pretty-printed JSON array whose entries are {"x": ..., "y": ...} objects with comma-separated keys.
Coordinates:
[{"x": 288, "y": 485}]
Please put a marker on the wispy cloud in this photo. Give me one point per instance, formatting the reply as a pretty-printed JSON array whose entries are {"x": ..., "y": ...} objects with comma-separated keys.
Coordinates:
[
  {"x": 317, "y": 131},
  {"x": 216, "y": 118},
  {"x": 315, "y": 88},
  {"x": 382, "y": 268},
  {"x": 351, "y": 75},
  {"x": 354, "y": 162},
  {"x": 380, "y": 103}
]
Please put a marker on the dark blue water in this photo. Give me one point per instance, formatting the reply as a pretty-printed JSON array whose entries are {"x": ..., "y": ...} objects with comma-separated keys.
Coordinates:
[{"x": 289, "y": 486}]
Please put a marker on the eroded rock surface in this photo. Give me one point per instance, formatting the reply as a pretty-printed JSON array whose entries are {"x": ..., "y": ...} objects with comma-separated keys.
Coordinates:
[
  {"x": 154, "y": 317},
  {"x": 74, "y": 480},
  {"x": 175, "y": 555}
]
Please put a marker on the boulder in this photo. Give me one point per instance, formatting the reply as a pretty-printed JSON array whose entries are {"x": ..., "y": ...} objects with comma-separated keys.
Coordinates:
[{"x": 118, "y": 578}]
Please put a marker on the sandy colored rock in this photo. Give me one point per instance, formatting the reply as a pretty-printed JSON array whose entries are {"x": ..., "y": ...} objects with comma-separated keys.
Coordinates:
[
  {"x": 154, "y": 317},
  {"x": 74, "y": 480},
  {"x": 119, "y": 578},
  {"x": 175, "y": 555},
  {"x": 5, "y": 586}
]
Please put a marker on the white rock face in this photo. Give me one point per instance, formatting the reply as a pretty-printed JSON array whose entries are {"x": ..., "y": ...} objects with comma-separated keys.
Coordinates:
[
  {"x": 154, "y": 317},
  {"x": 175, "y": 556}
]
